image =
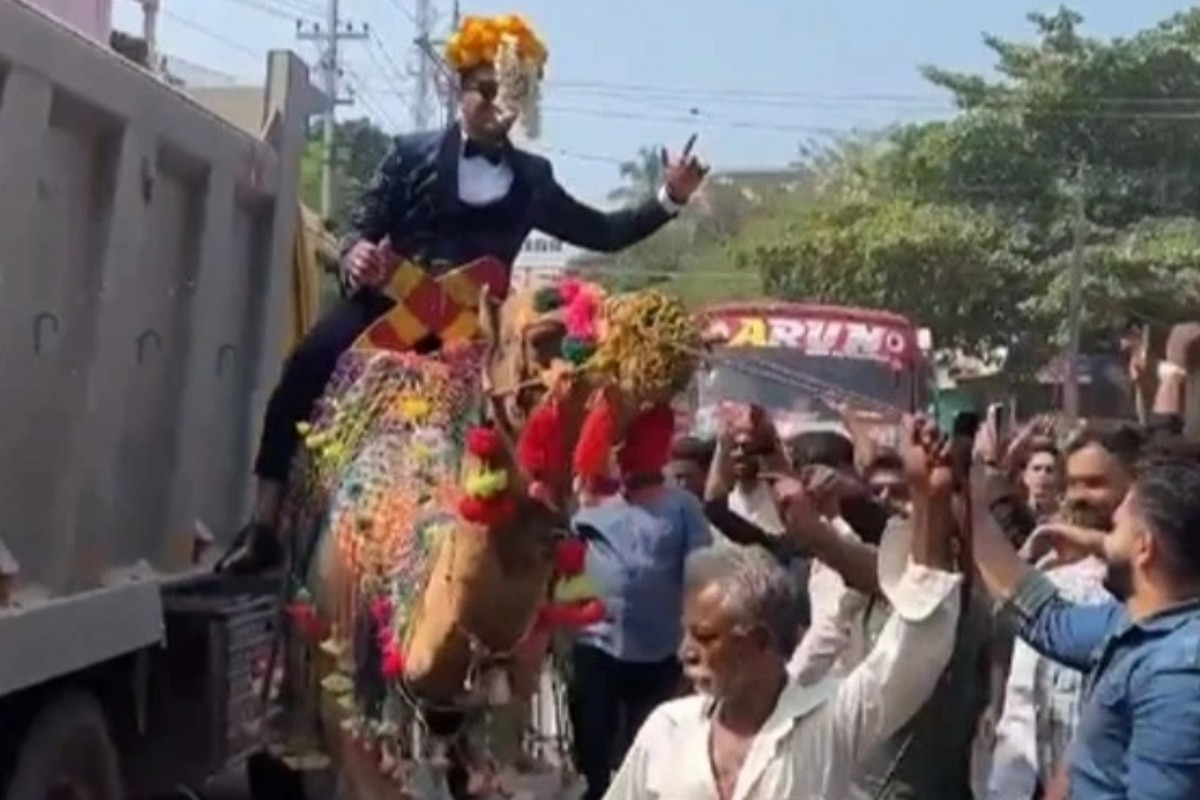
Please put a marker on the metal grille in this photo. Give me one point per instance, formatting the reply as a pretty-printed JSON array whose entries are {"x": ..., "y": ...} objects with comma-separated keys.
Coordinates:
[{"x": 228, "y": 626}]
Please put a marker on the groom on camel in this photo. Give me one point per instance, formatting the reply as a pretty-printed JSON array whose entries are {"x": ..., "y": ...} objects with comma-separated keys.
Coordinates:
[{"x": 442, "y": 199}]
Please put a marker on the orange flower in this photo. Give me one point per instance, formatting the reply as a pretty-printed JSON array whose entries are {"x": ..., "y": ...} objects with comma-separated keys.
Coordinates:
[{"x": 478, "y": 40}]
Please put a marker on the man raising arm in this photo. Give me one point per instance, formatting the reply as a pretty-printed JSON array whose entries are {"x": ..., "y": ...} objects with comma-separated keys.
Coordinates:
[{"x": 1140, "y": 736}]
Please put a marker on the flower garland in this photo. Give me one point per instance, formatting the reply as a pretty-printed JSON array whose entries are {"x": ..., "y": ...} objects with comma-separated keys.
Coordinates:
[
  {"x": 509, "y": 44},
  {"x": 478, "y": 40}
]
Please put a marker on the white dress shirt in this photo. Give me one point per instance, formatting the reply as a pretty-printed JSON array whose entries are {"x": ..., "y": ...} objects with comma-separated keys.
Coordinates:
[
  {"x": 1041, "y": 699},
  {"x": 809, "y": 745},
  {"x": 480, "y": 182}
]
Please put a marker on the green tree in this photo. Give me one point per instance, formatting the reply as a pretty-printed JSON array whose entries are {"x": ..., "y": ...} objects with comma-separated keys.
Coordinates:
[
  {"x": 360, "y": 146},
  {"x": 945, "y": 265},
  {"x": 1081, "y": 150},
  {"x": 640, "y": 177},
  {"x": 689, "y": 256}
]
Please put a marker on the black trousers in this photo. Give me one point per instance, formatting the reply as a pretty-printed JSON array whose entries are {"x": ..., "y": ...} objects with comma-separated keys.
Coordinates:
[
  {"x": 608, "y": 700},
  {"x": 305, "y": 374}
]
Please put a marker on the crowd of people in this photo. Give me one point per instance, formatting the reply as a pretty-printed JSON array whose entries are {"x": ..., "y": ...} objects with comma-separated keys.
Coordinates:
[
  {"x": 965, "y": 617},
  {"x": 810, "y": 619}
]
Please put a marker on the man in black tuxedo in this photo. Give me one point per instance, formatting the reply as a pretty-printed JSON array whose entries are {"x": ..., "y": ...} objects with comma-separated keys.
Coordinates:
[{"x": 441, "y": 199}]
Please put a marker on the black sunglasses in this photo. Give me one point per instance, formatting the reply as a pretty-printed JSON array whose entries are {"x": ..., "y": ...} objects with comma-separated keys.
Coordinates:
[{"x": 488, "y": 90}]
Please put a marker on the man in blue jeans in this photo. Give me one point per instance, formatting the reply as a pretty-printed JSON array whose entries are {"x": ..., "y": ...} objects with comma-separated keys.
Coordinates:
[
  {"x": 1139, "y": 731},
  {"x": 626, "y": 665}
]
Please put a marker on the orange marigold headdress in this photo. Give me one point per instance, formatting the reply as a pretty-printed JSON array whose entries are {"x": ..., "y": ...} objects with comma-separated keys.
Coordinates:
[{"x": 510, "y": 45}]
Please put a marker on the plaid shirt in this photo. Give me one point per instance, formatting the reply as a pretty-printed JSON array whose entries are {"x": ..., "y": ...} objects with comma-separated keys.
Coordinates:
[{"x": 1042, "y": 700}]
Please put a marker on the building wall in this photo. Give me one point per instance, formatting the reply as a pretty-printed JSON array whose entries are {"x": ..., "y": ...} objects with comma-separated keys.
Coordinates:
[{"x": 542, "y": 260}]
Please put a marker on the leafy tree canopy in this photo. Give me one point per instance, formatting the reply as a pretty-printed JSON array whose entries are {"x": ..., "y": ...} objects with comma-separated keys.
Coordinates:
[
  {"x": 1081, "y": 150},
  {"x": 360, "y": 146}
]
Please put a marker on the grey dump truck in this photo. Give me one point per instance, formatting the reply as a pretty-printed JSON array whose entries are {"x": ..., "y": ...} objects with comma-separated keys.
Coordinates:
[{"x": 145, "y": 248}]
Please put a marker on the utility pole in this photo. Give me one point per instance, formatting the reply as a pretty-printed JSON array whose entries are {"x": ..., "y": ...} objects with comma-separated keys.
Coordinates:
[
  {"x": 438, "y": 79},
  {"x": 1070, "y": 396},
  {"x": 449, "y": 80},
  {"x": 422, "y": 69},
  {"x": 329, "y": 38}
]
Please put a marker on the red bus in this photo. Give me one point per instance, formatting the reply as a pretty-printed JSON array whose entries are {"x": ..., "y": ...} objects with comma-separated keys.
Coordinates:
[{"x": 800, "y": 361}]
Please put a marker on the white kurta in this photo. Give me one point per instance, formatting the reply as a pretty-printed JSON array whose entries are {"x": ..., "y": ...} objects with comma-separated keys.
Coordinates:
[
  {"x": 834, "y": 643},
  {"x": 808, "y": 748}
]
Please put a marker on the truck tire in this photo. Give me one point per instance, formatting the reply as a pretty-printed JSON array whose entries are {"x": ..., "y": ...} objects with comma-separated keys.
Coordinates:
[{"x": 67, "y": 754}]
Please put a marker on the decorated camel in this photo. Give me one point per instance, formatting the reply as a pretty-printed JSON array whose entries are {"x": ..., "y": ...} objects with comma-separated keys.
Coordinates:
[{"x": 430, "y": 513}]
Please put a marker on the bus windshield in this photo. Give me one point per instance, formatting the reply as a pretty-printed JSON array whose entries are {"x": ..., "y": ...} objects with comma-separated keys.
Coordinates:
[{"x": 786, "y": 379}]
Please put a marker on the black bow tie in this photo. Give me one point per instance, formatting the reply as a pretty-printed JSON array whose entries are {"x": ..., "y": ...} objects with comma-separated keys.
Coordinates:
[{"x": 494, "y": 154}]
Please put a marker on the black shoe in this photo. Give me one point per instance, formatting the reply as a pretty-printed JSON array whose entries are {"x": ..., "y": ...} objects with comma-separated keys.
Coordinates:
[
  {"x": 268, "y": 778},
  {"x": 257, "y": 550}
]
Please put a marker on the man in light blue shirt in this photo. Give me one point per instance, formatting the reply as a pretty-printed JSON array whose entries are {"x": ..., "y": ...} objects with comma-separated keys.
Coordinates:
[
  {"x": 624, "y": 666},
  {"x": 1139, "y": 732}
]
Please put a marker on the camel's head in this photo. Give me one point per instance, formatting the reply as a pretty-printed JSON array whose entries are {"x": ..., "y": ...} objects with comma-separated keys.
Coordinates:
[{"x": 580, "y": 382}]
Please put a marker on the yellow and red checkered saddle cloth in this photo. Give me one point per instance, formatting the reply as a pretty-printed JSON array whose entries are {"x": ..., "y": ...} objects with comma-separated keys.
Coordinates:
[{"x": 446, "y": 306}]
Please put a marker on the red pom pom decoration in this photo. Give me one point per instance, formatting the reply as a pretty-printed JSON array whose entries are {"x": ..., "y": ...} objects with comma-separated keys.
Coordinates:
[
  {"x": 588, "y": 613},
  {"x": 570, "y": 557},
  {"x": 555, "y": 616},
  {"x": 304, "y": 617},
  {"x": 393, "y": 663},
  {"x": 487, "y": 512},
  {"x": 485, "y": 443},
  {"x": 550, "y": 617},
  {"x": 569, "y": 289}
]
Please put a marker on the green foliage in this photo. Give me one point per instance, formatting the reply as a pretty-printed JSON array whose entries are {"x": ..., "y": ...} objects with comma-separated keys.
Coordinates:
[
  {"x": 1081, "y": 151},
  {"x": 359, "y": 147},
  {"x": 943, "y": 262},
  {"x": 690, "y": 257}
]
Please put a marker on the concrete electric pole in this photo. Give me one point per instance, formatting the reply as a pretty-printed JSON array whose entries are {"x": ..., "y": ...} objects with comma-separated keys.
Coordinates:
[
  {"x": 435, "y": 78},
  {"x": 1071, "y": 389},
  {"x": 423, "y": 69},
  {"x": 329, "y": 38}
]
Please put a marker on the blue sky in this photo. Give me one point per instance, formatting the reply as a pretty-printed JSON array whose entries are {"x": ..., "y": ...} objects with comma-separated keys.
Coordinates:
[{"x": 754, "y": 79}]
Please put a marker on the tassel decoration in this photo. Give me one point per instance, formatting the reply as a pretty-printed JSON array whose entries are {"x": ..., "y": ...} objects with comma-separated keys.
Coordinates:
[
  {"x": 541, "y": 446},
  {"x": 596, "y": 438}
]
